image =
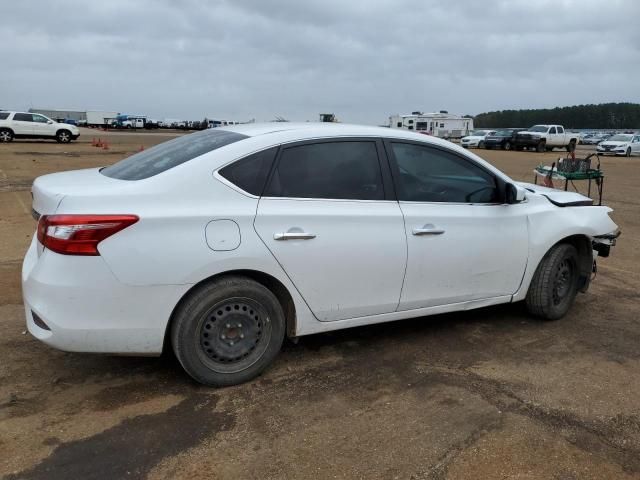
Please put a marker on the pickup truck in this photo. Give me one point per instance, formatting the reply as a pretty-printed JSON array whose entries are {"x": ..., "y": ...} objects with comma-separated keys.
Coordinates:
[{"x": 545, "y": 137}]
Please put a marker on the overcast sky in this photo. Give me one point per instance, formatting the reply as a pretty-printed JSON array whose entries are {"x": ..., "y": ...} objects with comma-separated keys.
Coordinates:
[{"x": 360, "y": 59}]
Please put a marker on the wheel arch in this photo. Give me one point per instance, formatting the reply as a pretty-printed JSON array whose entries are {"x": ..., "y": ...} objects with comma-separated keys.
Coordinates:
[
  {"x": 582, "y": 244},
  {"x": 270, "y": 282}
]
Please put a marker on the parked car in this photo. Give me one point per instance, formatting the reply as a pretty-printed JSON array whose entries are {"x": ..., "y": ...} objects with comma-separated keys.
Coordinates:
[
  {"x": 476, "y": 138},
  {"x": 594, "y": 139},
  {"x": 545, "y": 138},
  {"x": 222, "y": 242},
  {"x": 503, "y": 139},
  {"x": 621, "y": 144},
  {"x": 34, "y": 125}
]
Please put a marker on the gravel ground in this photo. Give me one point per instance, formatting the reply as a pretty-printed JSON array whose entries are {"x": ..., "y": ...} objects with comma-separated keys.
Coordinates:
[{"x": 485, "y": 394}]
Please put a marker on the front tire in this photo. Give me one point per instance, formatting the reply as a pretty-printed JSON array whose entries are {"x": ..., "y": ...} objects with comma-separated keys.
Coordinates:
[
  {"x": 481, "y": 144},
  {"x": 507, "y": 146},
  {"x": 541, "y": 147},
  {"x": 63, "y": 136},
  {"x": 628, "y": 153},
  {"x": 6, "y": 135},
  {"x": 555, "y": 283},
  {"x": 228, "y": 331}
]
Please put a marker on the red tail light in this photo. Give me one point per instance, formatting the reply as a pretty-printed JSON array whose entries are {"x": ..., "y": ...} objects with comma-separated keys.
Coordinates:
[{"x": 79, "y": 234}]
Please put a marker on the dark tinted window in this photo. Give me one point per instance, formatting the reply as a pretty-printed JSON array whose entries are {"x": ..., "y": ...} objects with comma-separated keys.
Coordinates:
[
  {"x": 552, "y": 130},
  {"x": 432, "y": 175},
  {"x": 23, "y": 117},
  {"x": 4, "y": 115},
  {"x": 250, "y": 173},
  {"x": 341, "y": 170},
  {"x": 170, "y": 154}
]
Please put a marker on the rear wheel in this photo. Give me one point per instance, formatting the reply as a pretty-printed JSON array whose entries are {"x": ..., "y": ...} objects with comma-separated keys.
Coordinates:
[
  {"x": 555, "y": 283},
  {"x": 228, "y": 331},
  {"x": 63, "y": 136},
  {"x": 572, "y": 146},
  {"x": 6, "y": 135}
]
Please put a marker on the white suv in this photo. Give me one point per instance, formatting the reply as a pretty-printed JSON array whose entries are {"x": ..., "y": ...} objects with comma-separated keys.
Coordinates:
[{"x": 33, "y": 125}]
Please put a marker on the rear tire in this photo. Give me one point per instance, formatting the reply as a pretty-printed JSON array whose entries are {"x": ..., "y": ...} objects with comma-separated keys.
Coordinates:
[
  {"x": 63, "y": 136},
  {"x": 572, "y": 146},
  {"x": 6, "y": 135},
  {"x": 227, "y": 331},
  {"x": 555, "y": 283}
]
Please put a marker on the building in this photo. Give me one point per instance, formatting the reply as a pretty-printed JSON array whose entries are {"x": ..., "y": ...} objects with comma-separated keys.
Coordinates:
[
  {"x": 60, "y": 115},
  {"x": 441, "y": 124}
]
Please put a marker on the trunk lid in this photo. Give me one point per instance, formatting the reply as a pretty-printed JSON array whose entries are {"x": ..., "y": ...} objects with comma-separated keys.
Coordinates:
[{"x": 49, "y": 190}]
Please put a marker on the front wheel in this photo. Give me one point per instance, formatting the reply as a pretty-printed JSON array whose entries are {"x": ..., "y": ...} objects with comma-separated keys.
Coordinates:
[
  {"x": 228, "y": 331},
  {"x": 541, "y": 147},
  {"x": 507, "y": 146},
  {"x": 63, "y": 136},
  {"x": 555, "y": 283},
  {"x": 481, "y": 144},
  {"x": 628, "y": 154}
]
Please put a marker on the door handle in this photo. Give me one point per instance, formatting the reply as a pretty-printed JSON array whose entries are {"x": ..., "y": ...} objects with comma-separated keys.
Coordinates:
[
  {"x": 294, "y": 236},
  {"x": 428, "y": 229}
]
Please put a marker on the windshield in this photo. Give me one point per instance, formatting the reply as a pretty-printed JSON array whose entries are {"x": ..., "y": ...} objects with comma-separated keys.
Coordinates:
[
  {"x": 504, "y": 133},
  {"x": 478, "y": 133},
  {"x": 621, "y": 138},
  {"x": 538, "y": 128},
  {"x": 170, "y": 154}
]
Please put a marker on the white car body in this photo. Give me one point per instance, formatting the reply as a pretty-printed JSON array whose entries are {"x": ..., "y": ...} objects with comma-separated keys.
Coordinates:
[
  {"x": 476, "y": 138},
  {"x": 621, "y": 144},
  {"x": 366, "y": 262},
  {"x": 546, "y": 137},
  {"x": 34, "y": 125}
]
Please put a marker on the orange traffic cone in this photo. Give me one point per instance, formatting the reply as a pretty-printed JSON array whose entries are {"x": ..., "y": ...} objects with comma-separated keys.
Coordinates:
[
  {"x": 105, "y": 146},
  {"x": 141, "y": 148},
  {"x": 99, "y": 143},
  {"x": 93, "y": 142}
]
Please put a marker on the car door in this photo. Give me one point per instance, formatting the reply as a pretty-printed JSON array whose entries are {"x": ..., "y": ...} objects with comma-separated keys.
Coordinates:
[
  {"x": 42, "y": 127},
  {"x": 635, "y": 144},
  {"x": 22, "y": 124},
  {"x": 464, "y": 243},
  {"x": 329, "y": 218},
  {"x": 552, "y": 137}
]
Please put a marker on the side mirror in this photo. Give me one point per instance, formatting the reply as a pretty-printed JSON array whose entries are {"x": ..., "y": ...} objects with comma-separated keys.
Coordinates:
[
  {"x": 50, "y": 122},
  {"x": 514, "y": 193}
]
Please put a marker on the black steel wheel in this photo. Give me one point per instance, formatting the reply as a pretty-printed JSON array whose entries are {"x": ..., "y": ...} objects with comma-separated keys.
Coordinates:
[
  {"x": 481, "y": 144},
  {"x": 628, "y": 154},
  {"x": 507, "y": 146},
  {"x": 227, "y": 331},
  {"x": 555, "y": 283}
]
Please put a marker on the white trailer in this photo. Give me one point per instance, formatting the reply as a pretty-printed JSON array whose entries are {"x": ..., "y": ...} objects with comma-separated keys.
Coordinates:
[
  {"x": 100, "y": 119},
  {"x": 441, "y": 124}
]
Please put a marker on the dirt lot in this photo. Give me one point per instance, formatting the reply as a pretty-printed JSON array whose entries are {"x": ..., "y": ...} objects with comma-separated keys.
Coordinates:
[{"x": 484, "y": 394}]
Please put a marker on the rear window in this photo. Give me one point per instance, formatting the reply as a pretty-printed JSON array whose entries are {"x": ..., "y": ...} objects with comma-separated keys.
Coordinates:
[
  {"x": 4, "y": 115},
  {"x": 170, "y": 154}
]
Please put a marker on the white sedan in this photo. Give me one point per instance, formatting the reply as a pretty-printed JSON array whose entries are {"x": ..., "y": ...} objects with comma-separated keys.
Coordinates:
[
  {"x": 222, "y": 242},
  {"x": 476, "y": 138},
  {"x": 621, "y": 144}
]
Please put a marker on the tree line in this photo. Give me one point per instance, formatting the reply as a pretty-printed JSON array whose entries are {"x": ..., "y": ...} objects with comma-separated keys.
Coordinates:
[{"x": 603, "y": 116}]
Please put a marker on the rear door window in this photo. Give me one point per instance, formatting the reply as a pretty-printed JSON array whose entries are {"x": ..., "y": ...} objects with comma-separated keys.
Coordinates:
[
  {"x": 336, "y": 170},
  {"x": 170, "y": 154},
  {"x": 23, "y": 117}
]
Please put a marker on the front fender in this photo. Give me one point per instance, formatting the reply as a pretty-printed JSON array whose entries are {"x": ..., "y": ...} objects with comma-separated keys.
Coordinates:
[{"x": 549, "y": 226}]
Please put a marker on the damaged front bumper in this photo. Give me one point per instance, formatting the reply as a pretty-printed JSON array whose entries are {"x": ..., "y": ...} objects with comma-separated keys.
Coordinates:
[{"x": 603, "y": 243}]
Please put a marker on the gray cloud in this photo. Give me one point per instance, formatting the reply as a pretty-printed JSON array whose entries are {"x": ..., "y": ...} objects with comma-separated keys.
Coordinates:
[{"x": 362, "y": 60}]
